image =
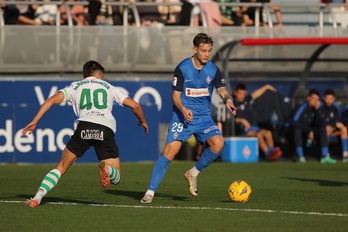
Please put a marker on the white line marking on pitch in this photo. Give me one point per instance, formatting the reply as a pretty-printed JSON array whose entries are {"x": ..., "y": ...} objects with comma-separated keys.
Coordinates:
[{"x": 191, "y": 208}]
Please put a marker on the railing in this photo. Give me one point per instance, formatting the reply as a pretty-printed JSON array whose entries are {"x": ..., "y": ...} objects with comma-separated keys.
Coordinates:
[{"x": 322, "y": 9}]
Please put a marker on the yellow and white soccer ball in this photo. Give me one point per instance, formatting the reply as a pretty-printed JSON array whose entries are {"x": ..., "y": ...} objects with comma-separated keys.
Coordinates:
[{"x": 239, "y": 191}]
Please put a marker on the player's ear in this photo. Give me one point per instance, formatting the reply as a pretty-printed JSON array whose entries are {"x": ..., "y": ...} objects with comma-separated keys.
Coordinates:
[{"x": 194, "y": 49}]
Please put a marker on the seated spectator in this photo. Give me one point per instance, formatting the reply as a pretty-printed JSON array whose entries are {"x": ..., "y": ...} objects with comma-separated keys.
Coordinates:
[
  {"x": 170, "y": 14},
  {"x": 249, "y": 14},
  {"x": 149, "y": 15},
  {"x": 212, "y": 12},
  {"x": 10, "y": 14},
  {"x": 233, "y": 13},
  {"x": 45, "y": 14},
  {"x": 27, "y": 14},
  {"x": 245, "y": 116},
  {"x": 307, "y": 124},
  {"x": 334, "y": 126},
  {"x": 78, "y": 14},
  {"x": 113, "y": 14}
]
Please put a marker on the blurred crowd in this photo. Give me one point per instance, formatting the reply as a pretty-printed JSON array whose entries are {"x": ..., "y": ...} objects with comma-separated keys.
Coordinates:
[{"x": 96, "y": 12}]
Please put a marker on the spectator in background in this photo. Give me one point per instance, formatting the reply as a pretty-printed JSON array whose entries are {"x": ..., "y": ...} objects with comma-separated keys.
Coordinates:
[
  {"x": 170, "y": 13},
  {"x": 249, "y": 14},
  {"x": 10, "y": 14},
  {"x": 344, "y": 118},
  {"x": 150, "y": 15},
  {"x": 245, "y": 116},
  {"x": 233, "y": 13},
  {"x": 26, "y": 14},
  {"x": 78, "y": 14},
  {"x": 45, "y": 14},
  {"x": 308, "y": 125},
  {"x": 212, "y": 12},
  {"x": 334, "y": 127}
]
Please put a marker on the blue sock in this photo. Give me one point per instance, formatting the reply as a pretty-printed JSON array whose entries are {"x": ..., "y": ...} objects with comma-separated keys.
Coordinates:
[
  {"x": 207, "y": 158},
  {"x": 158, "y": 172},
  {"x": 270, "y": 148},
  {"x": 324, "y": 151},
  {"x": 299, "y": 152},
  {"x": 344, "y": 145}
]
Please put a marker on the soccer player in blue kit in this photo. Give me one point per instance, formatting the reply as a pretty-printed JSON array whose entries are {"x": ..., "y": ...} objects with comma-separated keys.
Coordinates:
[{"x": 193, "y": 83}]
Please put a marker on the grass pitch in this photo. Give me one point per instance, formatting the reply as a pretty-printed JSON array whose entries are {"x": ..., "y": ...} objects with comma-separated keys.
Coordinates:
[{"x": 286, "y": 197}]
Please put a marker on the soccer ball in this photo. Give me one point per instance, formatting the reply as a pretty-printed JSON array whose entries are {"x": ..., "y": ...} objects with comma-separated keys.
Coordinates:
[{"x": 239, "y": 191}]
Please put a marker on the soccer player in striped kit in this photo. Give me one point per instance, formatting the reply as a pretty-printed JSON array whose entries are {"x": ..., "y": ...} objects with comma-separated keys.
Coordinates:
[
  {"x": 92, "y": 100},
  {"x": 193, "y": 83}
]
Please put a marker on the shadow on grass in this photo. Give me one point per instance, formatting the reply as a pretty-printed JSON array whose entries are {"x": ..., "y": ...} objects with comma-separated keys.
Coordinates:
[
  {"x": 62, "y": 200},
  {"x": 138, "y": 195},
  {"x": 329, "y": 183}
]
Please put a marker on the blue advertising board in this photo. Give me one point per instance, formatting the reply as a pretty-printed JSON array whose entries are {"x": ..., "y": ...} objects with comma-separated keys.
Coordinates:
[{"x": 20, "y": 100}]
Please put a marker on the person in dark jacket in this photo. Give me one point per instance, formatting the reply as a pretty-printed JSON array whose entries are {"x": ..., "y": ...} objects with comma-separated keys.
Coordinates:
[
  {"x": 308, "y": 124},
  {"x": 246, "y": 117},
  {"x": 334, "y": 126}
]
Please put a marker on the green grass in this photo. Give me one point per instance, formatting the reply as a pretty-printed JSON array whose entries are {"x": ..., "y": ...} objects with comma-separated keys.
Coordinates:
[{"x": 286, "y": 197}]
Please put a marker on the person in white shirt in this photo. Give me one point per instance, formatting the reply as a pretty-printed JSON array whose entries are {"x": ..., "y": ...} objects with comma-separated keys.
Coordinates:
[{"x": 92, "y": 100}]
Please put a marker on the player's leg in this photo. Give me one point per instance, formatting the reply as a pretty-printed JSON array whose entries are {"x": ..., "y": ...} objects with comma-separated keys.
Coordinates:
[
  {"x": 320, "y": 133},
  {"x": 52, "y": 177},
  {"x": 297, "y": 137},
  {"x": 344, "y": 140},
  {"x": 108, "y": 154},
  {"x": 110, "y": 171},
  {"x": 272, "y": 153},
  {"x": 160, "y": 169},
  {"x": 215, "y": 145}
]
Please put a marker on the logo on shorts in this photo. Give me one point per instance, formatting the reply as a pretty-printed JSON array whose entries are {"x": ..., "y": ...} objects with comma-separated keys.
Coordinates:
[
  {"x": 206, "y": 131},
  {"x": 175, "y": 135},
  {"x": 92, "y": 134}
]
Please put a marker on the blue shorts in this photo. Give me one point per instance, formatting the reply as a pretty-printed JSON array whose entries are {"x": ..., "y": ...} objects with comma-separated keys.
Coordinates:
[
  {"x": 202, "y": 128},
  {"x": 252, "y": 128}
]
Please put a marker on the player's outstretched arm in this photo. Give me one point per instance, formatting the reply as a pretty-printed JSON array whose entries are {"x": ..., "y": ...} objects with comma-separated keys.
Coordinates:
[
  {"x": 55, "y": 99},
  {"x": 227, "y": 100},
  {"x": 138, "y": 111}
]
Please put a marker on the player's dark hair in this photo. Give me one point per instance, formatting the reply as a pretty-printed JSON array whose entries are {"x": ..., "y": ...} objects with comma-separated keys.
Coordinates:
[
  {"x": 202, "y": 38},
  {"x": 313, "y": 91},
  {"x": 329, "y": 92},
  {"x": 240, "y": 86},
  {"x": 91, "y": 67}
]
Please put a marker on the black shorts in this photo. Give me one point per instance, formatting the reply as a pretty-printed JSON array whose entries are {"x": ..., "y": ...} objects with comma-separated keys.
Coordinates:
[{"x": 98, "y": 136}]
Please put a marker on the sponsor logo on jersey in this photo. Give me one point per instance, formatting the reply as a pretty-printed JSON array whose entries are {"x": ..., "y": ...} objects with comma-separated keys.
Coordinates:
[
  {"x": 206, "y": 131},
  {"x": 190, "y": 92},
  {"x": 92, "y": 134},
  {"x": 208, "y": 80},
  {"x": 175, "y": 80}
]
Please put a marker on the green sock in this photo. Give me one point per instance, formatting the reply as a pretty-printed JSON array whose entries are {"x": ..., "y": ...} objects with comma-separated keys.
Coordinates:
[
  {"x": 114, "y": 175},
  {"x": 48, "y": 183}
]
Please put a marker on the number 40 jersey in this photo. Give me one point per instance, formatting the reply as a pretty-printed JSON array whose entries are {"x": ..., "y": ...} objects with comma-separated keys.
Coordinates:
[{"x": 92, "y": 100}]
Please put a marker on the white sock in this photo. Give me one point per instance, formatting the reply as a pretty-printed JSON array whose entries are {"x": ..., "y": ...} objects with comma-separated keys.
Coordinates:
[
  {"x": 194, "y": 171},
  {"x": 345, "y": 154},
  {"x": 152, "y": 193}
]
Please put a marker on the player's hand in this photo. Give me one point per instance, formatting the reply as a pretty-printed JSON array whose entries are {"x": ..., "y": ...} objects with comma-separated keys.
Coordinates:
[
  {"x": 144, "y": 124},
  {"x": 188, "y": 115},
  {"x": 230, "y": 106},
  {"x": 28, "y": 129}
]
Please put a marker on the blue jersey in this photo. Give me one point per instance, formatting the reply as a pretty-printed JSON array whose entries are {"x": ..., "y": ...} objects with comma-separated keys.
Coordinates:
[{"x": 196, "y": 86}]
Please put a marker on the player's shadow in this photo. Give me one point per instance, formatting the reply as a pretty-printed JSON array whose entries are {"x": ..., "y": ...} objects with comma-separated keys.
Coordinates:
[
  {"x": 138, "y": 195},
  {"x": 52, "y": 200},
  {"x": 329, "y": 183}
]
